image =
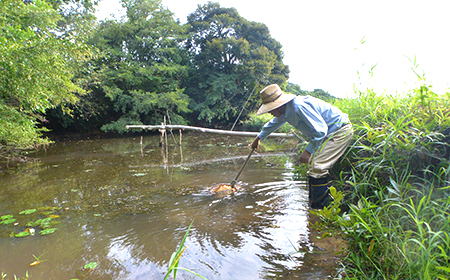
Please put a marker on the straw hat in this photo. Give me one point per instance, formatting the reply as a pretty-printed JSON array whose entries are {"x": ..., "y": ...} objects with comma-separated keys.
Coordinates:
[{"x": 273, "y": 97}]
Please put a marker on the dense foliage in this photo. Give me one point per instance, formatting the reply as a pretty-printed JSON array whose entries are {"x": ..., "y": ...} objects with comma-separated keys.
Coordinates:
[
  {"x": 396, "y": 181},
  {"x": 150, "y": 68},
  {"x": 141, "y": 66},
  {"x": 37, "y": 63}
]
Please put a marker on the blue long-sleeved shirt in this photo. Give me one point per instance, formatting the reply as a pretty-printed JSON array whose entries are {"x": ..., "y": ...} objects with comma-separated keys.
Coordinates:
[{"x": 313, "y": 117}]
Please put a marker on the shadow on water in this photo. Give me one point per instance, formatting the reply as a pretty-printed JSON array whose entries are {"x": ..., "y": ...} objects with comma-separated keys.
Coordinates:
[{"x": 126, "y": 206}]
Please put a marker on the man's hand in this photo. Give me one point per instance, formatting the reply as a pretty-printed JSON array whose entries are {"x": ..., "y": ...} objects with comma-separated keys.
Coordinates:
[
  {"x": 305, "y": 157},
  {"x": 255, "y": 143}
]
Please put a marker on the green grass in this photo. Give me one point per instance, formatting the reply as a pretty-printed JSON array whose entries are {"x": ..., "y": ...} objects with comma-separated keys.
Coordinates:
[{"x": 396, "y": 182}]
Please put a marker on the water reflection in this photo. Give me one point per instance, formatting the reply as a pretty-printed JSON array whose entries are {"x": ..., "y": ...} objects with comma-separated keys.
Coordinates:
[{"x": 127, "y": 206}]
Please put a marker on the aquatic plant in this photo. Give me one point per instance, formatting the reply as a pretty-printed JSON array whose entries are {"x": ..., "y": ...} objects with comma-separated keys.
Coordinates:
[
  {"x": 175, "y": 259},
  {"x": 37, "y": 260},
  {"x": 15, "y": 277},
  {"x": 90, "y": 266},
  {"x": 7, "y": 219},
  {"x": 45, "y": 222}
]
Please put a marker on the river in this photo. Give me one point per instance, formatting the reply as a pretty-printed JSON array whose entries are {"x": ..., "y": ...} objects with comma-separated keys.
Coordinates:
[{"x": 124, "y": 204}]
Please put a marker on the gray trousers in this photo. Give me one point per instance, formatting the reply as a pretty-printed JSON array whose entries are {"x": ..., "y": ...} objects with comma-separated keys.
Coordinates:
[{"x": 330, "y": 151}]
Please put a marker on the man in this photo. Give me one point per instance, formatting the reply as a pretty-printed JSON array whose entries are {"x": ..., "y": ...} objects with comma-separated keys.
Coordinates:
[{"x": 328, "y": 129}]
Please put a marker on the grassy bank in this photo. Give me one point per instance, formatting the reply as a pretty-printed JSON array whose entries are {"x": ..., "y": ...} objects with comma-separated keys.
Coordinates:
[{"x": 395, "y": 180}]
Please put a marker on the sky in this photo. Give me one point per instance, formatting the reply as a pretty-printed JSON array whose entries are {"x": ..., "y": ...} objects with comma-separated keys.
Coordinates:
[{"x": 337, "y": 46}]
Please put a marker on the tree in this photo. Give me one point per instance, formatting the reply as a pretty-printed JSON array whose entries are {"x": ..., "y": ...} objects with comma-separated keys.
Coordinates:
[
  {"x": 318, "y": 93},
  {"x": 90, "y": 112},
  {"x": 37, "y": 66},
  {"x": 231, "y": 55},
  {"x": 142, "y": 66}
]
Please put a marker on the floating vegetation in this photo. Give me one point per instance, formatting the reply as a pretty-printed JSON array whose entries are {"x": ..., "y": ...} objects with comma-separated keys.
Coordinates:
[
  {"x": 91, "y": 265},
  {"x": 22, "y": 234},
  {"x": 48, "y": 231},
  {"x": 28, "y": 212},
  {"x": 7, "y": 219},
  {"x": 46, "y": 219}
]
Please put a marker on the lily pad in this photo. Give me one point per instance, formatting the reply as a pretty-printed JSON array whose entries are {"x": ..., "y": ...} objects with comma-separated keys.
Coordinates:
[
  {"x": 6, "y": 217},
  {"x": 28, "y": 212},
  {"x": 7, "y": 222},
  {"x": 43, "y": 223},
  {"x": 22, "y": 234},
  {"x": 48, "y": 231}
]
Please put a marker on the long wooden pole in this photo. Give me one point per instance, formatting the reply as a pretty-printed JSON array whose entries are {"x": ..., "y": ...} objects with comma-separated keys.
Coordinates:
[{"x": 202, "y": 129}]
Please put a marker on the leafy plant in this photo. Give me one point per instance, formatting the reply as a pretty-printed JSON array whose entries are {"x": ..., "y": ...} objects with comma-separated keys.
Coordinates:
[{"x": 330, "y": 213}]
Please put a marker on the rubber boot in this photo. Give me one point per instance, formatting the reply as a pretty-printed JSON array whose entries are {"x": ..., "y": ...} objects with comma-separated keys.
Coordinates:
[{"x": 318, "y": 192}]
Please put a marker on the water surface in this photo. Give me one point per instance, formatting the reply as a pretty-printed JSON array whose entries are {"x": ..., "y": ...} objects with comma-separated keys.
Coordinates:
[{"x": 127, "y": 205}]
